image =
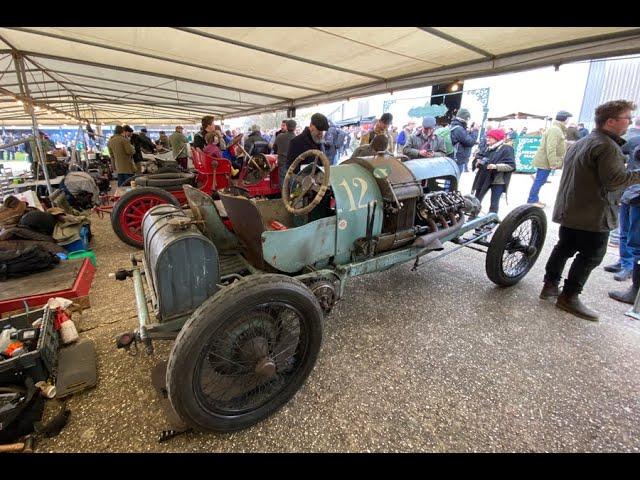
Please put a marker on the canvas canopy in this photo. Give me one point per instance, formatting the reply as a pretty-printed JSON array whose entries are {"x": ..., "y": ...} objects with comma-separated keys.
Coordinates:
[{"x": 175, "y": 75}]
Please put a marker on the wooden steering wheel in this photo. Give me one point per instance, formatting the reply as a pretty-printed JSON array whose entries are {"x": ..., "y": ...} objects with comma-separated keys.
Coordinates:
[{"x": 305, "y": 181}]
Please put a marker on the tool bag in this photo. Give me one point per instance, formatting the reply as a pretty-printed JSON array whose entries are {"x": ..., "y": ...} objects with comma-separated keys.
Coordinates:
[{"x": 24, "y": 262}]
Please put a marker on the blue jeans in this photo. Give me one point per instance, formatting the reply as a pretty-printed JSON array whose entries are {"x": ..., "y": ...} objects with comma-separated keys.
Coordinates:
[
  {"x": 629, "y": 235},
  {"x": 123, "y": 177},
  {"x": 541, "y": 178},
  {"x": 496, "y": 193}
]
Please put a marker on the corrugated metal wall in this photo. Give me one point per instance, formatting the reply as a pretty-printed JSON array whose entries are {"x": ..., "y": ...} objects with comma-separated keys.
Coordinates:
[{"x": 610, "y": 80}]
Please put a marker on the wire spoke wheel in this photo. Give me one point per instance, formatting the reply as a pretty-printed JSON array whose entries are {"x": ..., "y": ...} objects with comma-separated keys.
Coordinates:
[
  {"x": 244, "y": 353},
  {"x": 251, "y": 359},
  {"x": 515, "y": 245}
]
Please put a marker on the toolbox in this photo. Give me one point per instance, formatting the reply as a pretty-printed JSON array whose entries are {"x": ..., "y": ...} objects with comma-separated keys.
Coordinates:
[{"x": 39, "y": 364}]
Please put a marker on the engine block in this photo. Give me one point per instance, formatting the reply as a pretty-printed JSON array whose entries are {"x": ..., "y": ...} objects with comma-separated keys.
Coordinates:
[{"x": 439, "y": 209}]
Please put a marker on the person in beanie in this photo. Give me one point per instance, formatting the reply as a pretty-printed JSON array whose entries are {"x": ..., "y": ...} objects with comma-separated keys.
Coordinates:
[
  {"x": 593, "y": 178},
  {"x": 495, "y": 166},
  {"x": 309, "y": 139},
  {"x": 549, "y": 156},
  {"x": 425, "y": 144},
  {"x": 462, "y": 139}
]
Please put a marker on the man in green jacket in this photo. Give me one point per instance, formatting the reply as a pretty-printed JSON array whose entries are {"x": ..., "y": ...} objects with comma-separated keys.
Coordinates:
[
  {"x": 593, "y": 179},
  {"x": 121, "y": 152},
  {"x": 549, "y": 156},
  {"x": 179, "y": 147}
]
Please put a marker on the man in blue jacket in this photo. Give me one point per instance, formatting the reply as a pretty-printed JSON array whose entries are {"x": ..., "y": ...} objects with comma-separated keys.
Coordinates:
[{"x": 462, "y": 139}]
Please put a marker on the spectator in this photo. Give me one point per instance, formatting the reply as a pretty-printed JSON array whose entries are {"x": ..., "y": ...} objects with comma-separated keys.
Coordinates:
[
  {"x": 425, "y": 144},
  {"x": 572, "y": 135},
  {"x": 207, "y": 126},
  {"x": 332, "y": 141},
  {"x": 582, "y": 132},
  {"x": 495, "y": 165},
  {"x": 549, "y": 156},
  {"x": 281, "y": 147},
  {"x": 633, "y": 131},
  {"x": 134, "y": 138},
  {"x": 381, "y": 127},
  {"x": 255, "y": 143},
  {"x": 212, "y": 149},
  {"x": 511, "y": 134},
  {"x": 310, "y": 139},
  {"x": 462, "y": 139},
  {"x": 222, "y": 144},
  {"x": 523, "y": 132},
  {"x": 594, "y": 173},
  {"x": 146, "y": 144},
  {"x": 121, "y": 151},
  {"x": 164, "y": 140},
  {"x": 178, "y": 144},
  {"x": 283, "y": 128},
  {"x": 404, "y": 135}
]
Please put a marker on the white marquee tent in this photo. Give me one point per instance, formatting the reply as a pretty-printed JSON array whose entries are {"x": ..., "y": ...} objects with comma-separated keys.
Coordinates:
[{"x": 176, "y": 75}]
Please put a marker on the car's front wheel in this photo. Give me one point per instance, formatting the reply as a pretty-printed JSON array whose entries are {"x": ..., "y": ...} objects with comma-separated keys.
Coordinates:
[{"x": 244, "y": 353}]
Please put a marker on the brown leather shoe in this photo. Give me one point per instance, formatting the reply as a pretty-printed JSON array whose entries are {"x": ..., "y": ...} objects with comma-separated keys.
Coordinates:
[
  {"x": 549, "y": 290},
  {"x": 571, "y": 303}
]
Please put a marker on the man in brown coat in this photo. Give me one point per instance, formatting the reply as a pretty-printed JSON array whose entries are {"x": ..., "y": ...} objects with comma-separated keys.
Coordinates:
[
  {"x": 121, "y": 151},
  {"x": 592, "y": 182}
]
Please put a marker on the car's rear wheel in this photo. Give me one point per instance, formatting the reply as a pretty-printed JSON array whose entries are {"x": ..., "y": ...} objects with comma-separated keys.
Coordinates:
[
  {"x": 516, "y": 245},
  {"x": 127, "y": 213},
  {"x": 244, "y": 353}
]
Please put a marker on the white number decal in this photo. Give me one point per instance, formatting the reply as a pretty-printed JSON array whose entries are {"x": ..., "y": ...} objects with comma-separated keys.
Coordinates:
[{"x": 352, "y": 202}]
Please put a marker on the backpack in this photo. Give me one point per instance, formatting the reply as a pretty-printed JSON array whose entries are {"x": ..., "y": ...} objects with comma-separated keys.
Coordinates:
[
  {"x": 20, "y": 408},
  {"x": 402, "y": 139},
  {"x": 449, "y": 147}
]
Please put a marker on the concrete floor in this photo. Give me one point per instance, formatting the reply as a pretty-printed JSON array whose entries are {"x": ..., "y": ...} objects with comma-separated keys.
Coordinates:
[{"x": 431, "y": 361}]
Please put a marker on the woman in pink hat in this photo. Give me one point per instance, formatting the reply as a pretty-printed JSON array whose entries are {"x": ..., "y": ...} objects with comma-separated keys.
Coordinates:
[{"x": 494, "y": 165}]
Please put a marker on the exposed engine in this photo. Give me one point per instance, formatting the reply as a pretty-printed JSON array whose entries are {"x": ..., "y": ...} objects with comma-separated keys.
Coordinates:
[{"x": 439, "y": 210}]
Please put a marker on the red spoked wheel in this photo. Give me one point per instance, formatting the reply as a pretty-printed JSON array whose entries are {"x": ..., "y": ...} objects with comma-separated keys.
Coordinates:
[{"x": 128, "y": 212}]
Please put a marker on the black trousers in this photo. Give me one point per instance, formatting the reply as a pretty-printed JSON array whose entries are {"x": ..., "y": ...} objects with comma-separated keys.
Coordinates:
[
  {"x": 590, "y": 247},
  {"x": 496, "y": 192}
]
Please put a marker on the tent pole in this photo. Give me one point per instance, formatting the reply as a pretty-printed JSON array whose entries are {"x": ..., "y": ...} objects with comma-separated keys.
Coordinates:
[{"x": 24, "y": 90}]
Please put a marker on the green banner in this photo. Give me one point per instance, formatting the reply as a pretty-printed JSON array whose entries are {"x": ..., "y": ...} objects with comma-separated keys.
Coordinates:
[{"x": 525, "y": 147}]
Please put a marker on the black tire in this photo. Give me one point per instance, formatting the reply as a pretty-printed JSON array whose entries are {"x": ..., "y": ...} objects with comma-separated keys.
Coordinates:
[
  {"x": 522, "y": 251},
  {"x": 165, "y": 180},
  {"x": 170, "y": 169},
  {"x": 124, "y": 203},
  {"x": 220, "y": 318}
]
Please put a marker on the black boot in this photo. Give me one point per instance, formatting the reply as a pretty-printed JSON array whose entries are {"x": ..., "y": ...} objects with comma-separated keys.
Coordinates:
[
  {"x": 628, "y": 295},
  {"x": 549, "y": 289},
  {"x": 570, "y": 302}
]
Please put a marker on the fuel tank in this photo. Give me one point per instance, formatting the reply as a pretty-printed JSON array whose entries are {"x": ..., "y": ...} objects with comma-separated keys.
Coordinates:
[{"x": 181, "y": 264}]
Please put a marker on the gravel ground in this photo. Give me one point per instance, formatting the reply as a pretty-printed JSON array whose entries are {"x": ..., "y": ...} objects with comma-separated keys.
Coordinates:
[{"x": 437, "y": 360}]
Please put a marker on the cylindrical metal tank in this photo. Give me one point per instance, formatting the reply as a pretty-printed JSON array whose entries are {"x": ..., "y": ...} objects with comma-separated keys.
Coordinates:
[{"x": 182, "y": 264}]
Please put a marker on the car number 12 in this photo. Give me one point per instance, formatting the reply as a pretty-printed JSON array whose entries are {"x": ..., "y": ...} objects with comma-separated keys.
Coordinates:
[{"x": 363, "y": 186}]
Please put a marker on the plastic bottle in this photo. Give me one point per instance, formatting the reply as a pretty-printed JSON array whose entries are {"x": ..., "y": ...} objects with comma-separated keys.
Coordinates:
[{"x": 68, "y": 332}]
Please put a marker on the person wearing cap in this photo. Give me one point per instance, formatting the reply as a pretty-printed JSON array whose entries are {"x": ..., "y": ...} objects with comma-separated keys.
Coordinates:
[
  {"x": 495, "y": 166},
  {"x": 178, "y": 143},
  {"x": 593, "y": 179},
  {"x": 281, "y": 147},
  {"x": 424, "y": 143},
  {"x": 311, "y": 138},
  {"x": 121, "y": 152},
  {"x": 145, "y": 142},
  {"x": 462, "y": 139},
  {"x": 381, "y": 127},
  {"x": 549, "y": 155}
]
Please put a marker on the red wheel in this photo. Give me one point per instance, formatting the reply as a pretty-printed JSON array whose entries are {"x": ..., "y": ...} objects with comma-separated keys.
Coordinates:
[{"x": 127, "y": 214}]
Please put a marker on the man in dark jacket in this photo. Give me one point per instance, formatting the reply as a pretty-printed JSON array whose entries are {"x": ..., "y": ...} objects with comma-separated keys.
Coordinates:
[
  {"x": 462, "y": 139},
  {"x": 310, "y": 139},
  {"x": 207, "y": 126},
  {"x": 593, "y": 177},
  {"x": 255, "y": 143},
  {"x": 281, "y": 148}
]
